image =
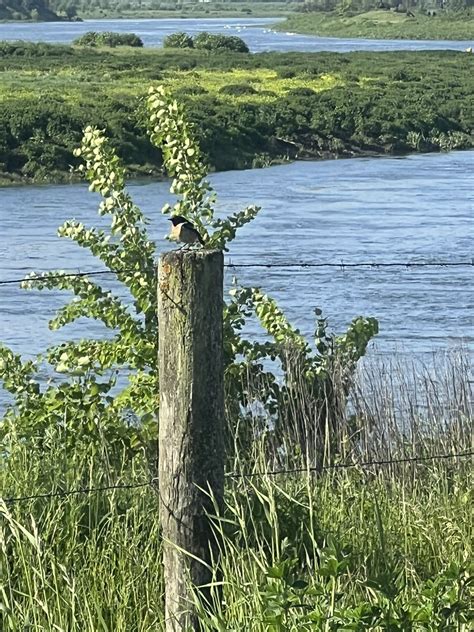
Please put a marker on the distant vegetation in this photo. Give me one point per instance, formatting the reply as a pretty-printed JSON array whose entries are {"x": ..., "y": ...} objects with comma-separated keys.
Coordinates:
[
  {"x": 206, "y": 41},
  {"x": 107, "y": 38},
  {"x": 352, "y": 18},
  {"x": 398, "y": 6},
  {"x": 39, "y": 10},
  {"x": 251, "y": 110},
  {"x": 416, "y": 19},
  {"x": 175, "y": 8},
  {"x": 385, "y": 20}
]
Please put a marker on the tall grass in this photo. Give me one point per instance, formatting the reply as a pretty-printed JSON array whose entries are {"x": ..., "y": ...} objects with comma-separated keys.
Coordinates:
[{"x": 383, "y": 547}]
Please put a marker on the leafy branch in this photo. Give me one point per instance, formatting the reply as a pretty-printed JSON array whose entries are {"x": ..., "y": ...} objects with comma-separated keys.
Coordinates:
[{"x": 183, "y": 160}]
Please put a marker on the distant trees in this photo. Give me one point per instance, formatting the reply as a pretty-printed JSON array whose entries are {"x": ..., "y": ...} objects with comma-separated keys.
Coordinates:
[{"x": 26, "y": 10}]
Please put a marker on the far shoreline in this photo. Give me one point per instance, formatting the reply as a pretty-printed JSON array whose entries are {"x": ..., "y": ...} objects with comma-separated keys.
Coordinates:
[{"x": 141, "y": 176}]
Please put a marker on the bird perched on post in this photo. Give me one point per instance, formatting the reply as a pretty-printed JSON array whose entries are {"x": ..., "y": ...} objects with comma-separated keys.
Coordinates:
[{"x": 184, "y": 231}]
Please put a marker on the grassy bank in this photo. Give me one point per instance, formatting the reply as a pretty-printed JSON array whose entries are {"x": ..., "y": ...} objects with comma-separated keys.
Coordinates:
[
  {"x": 382, "y": 24},
  {"x": 250, "y": 110},
  {"x": 362, "y": 548}
]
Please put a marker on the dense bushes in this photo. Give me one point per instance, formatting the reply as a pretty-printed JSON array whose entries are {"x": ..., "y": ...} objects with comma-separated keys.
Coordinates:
[
  {"x": 206, "y": 41},
  {"x": 237, "y": 89},
  {"x": 209, "y": 41},
  {"x": 33, "y": 49},
  {"x": 108, "y": 38},
  {"x": 178, "y": 40},
  {"x": 252, "y": 106},
  {"x": 38, "y": 136}
]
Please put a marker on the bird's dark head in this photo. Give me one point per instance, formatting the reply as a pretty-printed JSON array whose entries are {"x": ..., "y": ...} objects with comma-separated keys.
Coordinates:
[{"x": 176, "y": 220}]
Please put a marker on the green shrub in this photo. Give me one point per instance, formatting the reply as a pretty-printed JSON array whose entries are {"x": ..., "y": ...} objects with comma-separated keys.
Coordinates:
[
  {"x": 287, "y": 73},
  {"x": 190, "y": 91},
  {"x": 302, "y": 92},
  {"x": 178, "y": 40},
  {"x": 32, "y": 49},
  {"x": 209, "y": 41},
  {"x": 366, "y": 110},
  {"x": 108, "y": 38},
  {"x": 206, "y": 41},
  {"x": 237, "y": 89}
]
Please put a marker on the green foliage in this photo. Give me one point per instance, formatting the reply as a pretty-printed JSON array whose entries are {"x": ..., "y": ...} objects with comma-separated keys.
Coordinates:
[
  {"x": 126, "y": 250},
  {"x": 90, "y": 366},
  {"x": 71, "y": 543},
  {"x": 93, "y": 9},
  {"x": 33, "y": 49},
  {"x": 308, "y": 400},
  {"x": 182, "y": 157},
  {"x": 237, "y": 89},
  {"x": 206, "y": 41},
  {"x": 357, "y": 548},
  {"x": 459, "y": 6},
  {"x": 311, "y": 105},
  {"x": 178, "y": 40},
  {"x": 296, "y": 554},
  {"x": 213, "y": 42},
  {"x": 108, "y": 38},
  {"x": 365, "y": 8},
  {"x": 441, "y": 604}
]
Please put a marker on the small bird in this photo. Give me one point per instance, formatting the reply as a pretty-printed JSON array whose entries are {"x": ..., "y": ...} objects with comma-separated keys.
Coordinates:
[{"x": 184, "y": 231}]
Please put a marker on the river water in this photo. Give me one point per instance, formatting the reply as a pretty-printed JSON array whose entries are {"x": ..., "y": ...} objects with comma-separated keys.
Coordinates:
[
  {"x": 256, "y": 32},
  {"x": 418, "y": 208}
]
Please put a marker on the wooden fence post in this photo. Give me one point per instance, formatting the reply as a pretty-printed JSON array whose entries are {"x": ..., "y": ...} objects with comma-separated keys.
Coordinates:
[{"x": 191, "y": 418}]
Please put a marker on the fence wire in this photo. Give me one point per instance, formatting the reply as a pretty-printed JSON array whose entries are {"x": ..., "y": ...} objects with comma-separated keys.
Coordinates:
[
  {"x": 239, "y": 475},
  {"x": 342, "y": 265}
]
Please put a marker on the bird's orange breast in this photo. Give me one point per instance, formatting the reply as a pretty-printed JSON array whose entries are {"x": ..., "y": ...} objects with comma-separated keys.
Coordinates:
[
  {"x": 185, "y": 234},
  {"x": 175, "y": 232}
]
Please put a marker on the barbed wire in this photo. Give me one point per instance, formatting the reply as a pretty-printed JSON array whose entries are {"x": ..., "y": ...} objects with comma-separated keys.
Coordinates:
[
  {"x": 80, "y": 490},
  {"x": 362, "y": 264},
  {"x": 68, "y": 275},
  {"x": 238, "y": 475},
  {"x": 364, "y": 464},
  {"x": 290, "y": 264}
]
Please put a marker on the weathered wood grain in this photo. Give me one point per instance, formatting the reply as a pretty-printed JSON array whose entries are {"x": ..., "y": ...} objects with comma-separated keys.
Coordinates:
[{"x": 191, "y": 418}]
